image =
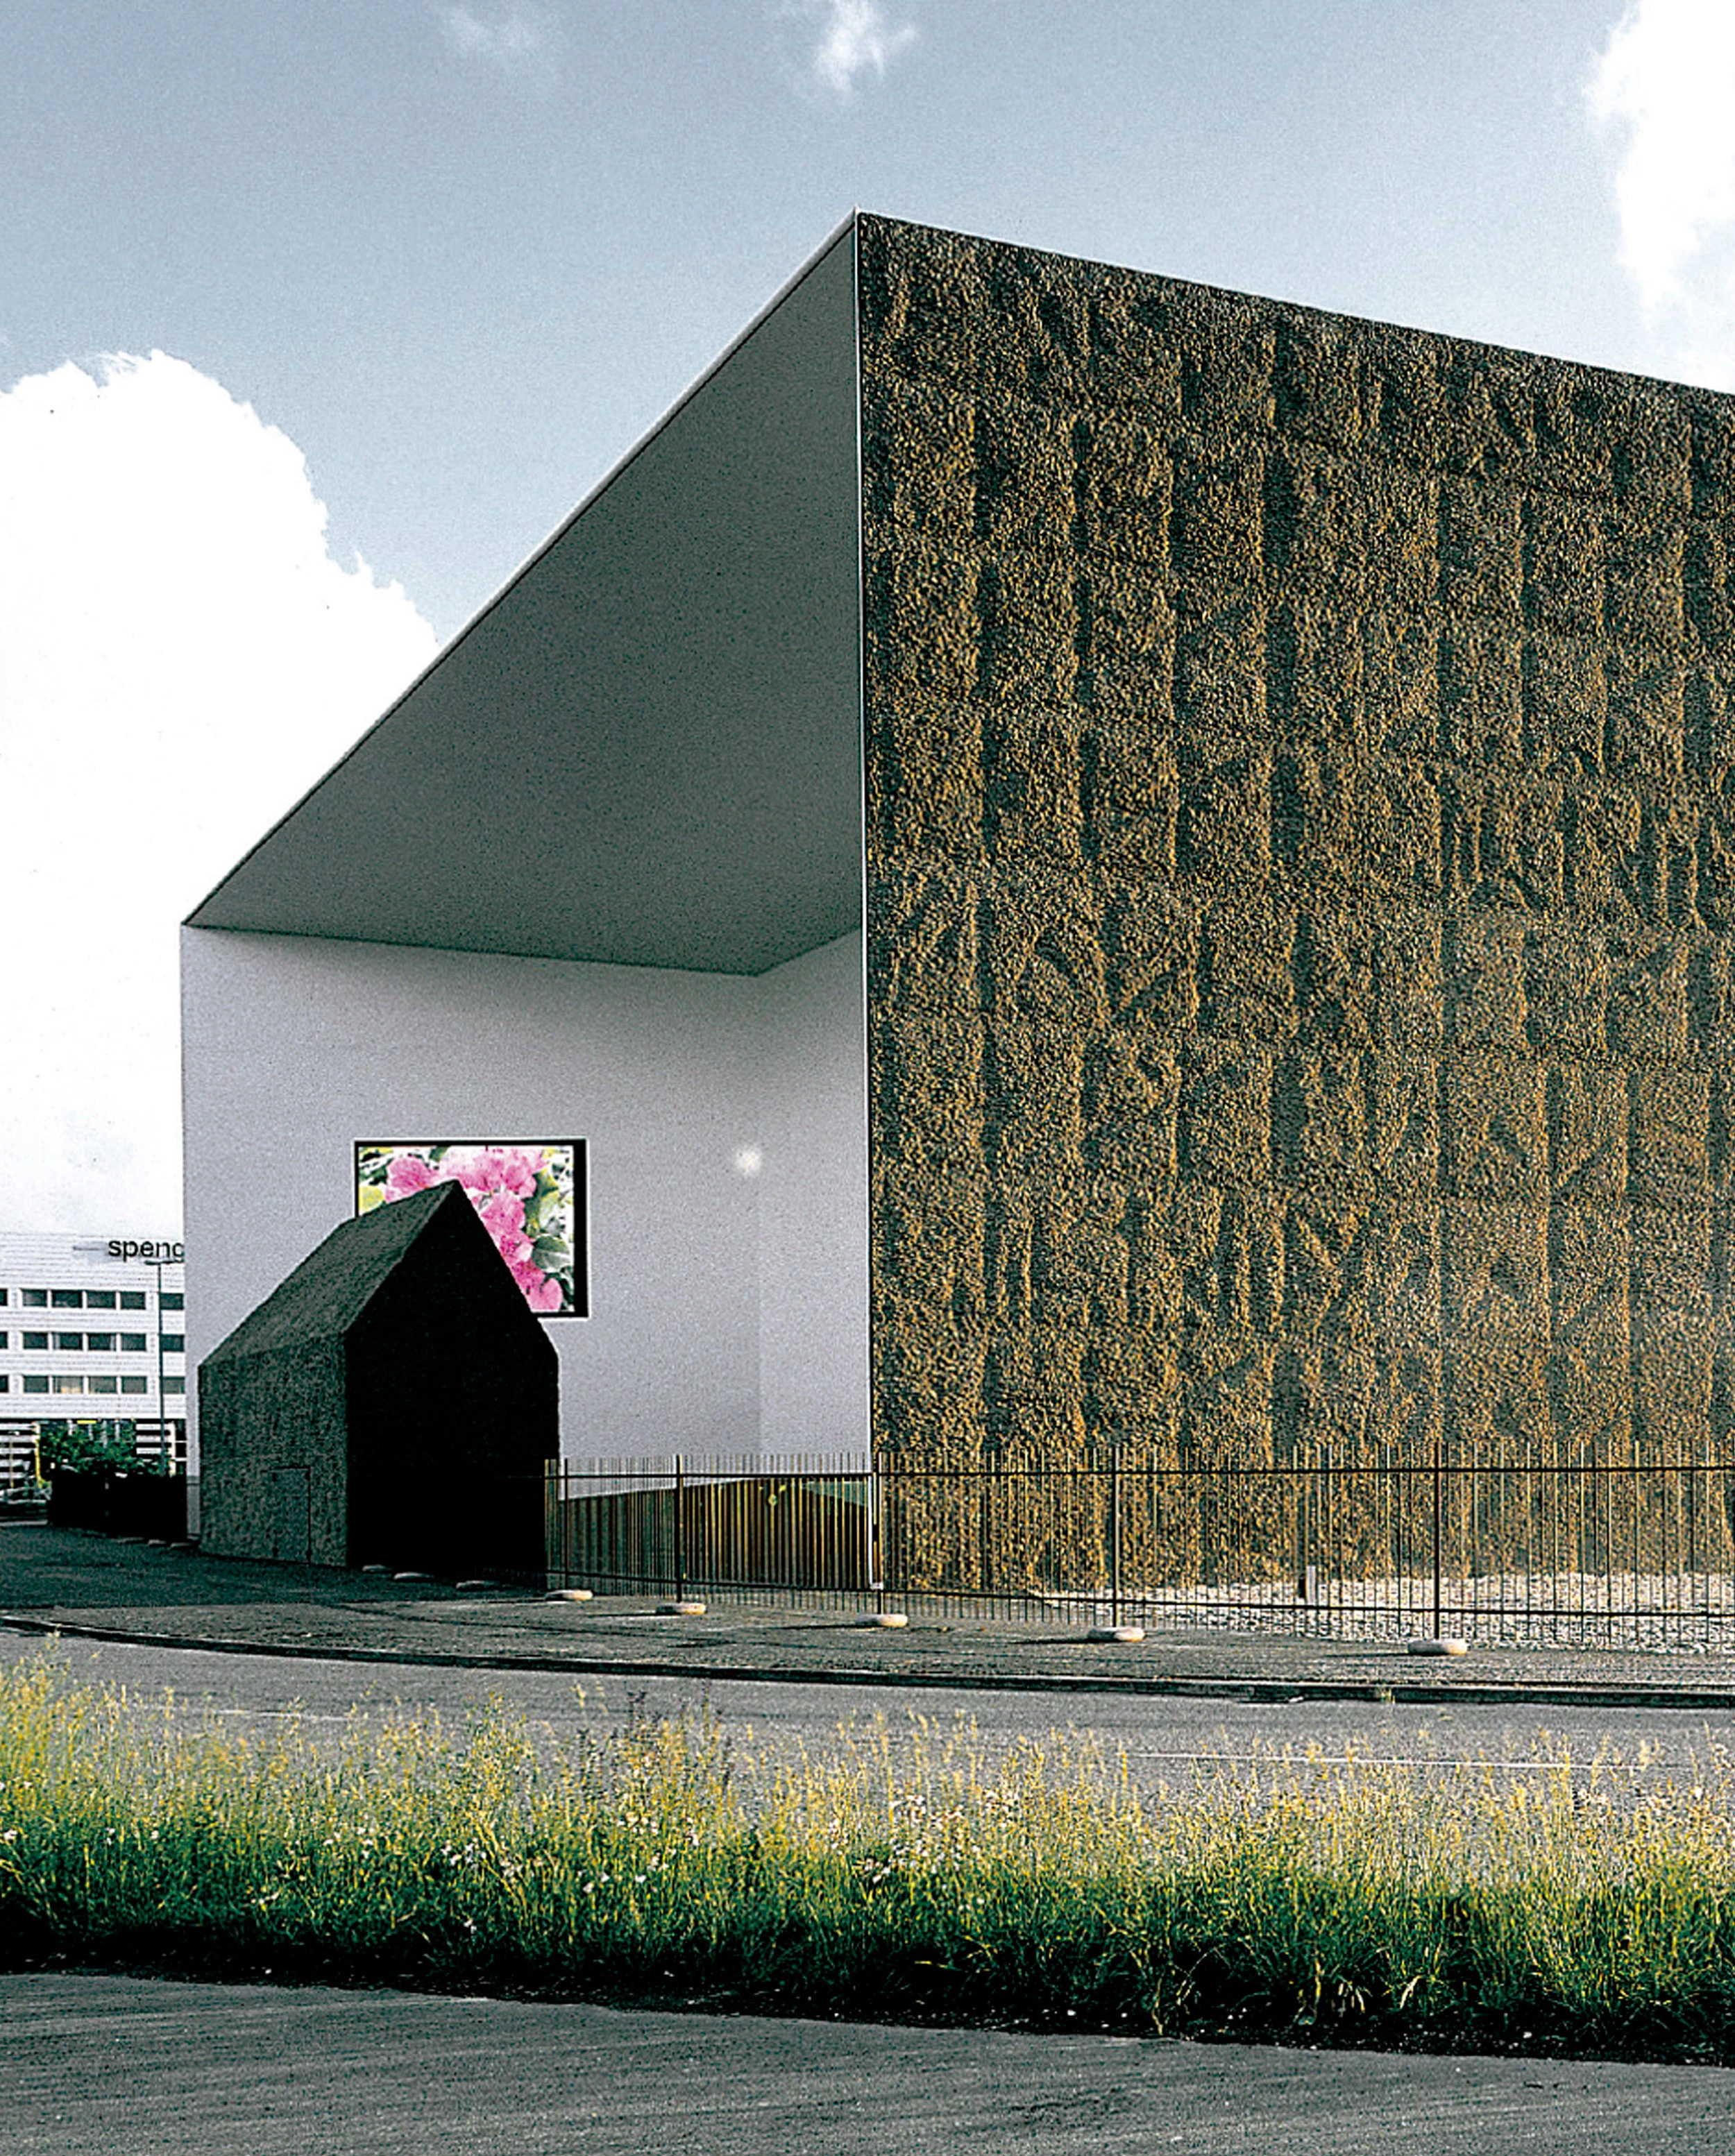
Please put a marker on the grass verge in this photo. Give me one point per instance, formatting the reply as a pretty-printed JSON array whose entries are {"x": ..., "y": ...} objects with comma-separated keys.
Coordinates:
[{"x": 919, "y": 1881}]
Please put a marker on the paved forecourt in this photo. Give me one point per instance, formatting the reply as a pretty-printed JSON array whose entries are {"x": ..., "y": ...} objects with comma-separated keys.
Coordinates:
[{"x": 85, "y": 1584}]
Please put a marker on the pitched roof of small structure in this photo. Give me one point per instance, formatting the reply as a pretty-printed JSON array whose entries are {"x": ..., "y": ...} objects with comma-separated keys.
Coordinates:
[{"x": 328, "y": 1291}]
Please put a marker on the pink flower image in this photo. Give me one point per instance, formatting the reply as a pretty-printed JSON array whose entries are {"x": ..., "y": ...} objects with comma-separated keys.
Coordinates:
[
  {"x": 494, "y": 1167},
  {"x": 541, "y": 1292},
  {"x": 409, "y": 1172},
  {"x": 503, "y": 1212},
  {"x": 523, "y": 1195},
  {"x": 503, "y": 1216}
]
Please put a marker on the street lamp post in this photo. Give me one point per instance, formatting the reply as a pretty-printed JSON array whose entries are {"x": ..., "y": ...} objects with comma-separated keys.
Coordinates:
[{"x": 165, "y": 1444}]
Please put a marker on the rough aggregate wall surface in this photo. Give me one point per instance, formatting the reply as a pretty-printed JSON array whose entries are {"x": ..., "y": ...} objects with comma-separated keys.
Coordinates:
[
  {"x": 1301, "y": 769},
  {"x": 281, "y": 1409}
]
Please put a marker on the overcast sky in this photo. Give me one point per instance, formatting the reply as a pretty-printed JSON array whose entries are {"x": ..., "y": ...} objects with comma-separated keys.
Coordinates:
[{"x": 315, "y": 316}]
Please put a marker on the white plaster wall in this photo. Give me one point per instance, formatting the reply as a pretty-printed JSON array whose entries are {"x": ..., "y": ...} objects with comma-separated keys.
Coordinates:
[
  {"x": 729, "y": 1307},
  {"x": 812, "y": 1199}
]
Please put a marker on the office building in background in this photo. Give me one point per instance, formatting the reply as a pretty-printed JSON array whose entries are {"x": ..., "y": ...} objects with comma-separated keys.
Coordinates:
[{"x": 92, "y": 1327}]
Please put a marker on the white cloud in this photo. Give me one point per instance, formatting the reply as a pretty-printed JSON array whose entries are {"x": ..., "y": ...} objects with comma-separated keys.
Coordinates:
[
  {"x": 1663, "y": 92},
  {"x": 521, "y": 42},
  {"x": 855, "y": 39},
  {"x": 180, "y": 659}
]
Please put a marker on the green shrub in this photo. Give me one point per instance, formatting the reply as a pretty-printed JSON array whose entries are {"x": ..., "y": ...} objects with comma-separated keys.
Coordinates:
[{"x": 92, "y": 1448}]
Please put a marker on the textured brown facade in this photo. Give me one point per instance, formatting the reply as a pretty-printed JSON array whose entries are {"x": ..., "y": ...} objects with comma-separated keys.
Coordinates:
[{"x": 1301, "y": 831}]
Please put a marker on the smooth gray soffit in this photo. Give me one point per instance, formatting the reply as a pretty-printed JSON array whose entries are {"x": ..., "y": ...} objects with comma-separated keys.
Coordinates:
[{"x": 647, "y": 751}]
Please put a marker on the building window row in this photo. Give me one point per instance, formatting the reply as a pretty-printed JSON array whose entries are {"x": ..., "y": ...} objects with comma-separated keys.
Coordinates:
[
  {"x": 33, "y": 1383},
  {"x": 93, "y": 1298},
  {"x": 100, "y": 1343}
]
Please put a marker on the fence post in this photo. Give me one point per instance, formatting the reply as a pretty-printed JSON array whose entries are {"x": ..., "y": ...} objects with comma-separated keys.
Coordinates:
[
  {"x": 876, "y": 1532},
  {"x": 1437, "y": 1507},
  {"x": 553, "y": 1552},
  {"x": 1114, "y": 1516},
  {"x": 681, "y": 1571}
]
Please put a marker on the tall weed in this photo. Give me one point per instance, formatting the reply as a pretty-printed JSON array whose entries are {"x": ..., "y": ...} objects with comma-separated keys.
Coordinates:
[{"x": 913, "y": 1875}]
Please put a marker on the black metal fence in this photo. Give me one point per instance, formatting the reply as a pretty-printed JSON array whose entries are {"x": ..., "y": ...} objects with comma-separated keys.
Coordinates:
[
  {"x": 1604, "y": 1546},
  {"x": 749, "y": 1526}
]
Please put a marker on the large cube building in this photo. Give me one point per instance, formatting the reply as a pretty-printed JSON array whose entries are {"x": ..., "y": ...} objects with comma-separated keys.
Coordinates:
[{"x": 1099, "y": 861}]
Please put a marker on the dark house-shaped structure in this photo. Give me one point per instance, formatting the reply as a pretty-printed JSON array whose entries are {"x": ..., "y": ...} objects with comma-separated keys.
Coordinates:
[{"x": 393, "y": 1401}]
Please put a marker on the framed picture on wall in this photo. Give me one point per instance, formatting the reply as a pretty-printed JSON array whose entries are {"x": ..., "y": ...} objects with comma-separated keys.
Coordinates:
[{"x": 532, "y": 1195}]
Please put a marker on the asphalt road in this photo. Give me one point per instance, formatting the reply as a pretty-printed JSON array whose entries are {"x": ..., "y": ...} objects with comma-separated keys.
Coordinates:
[
  {"x": 1168, "y": 1739},
  {"x": 123, "y": 2066}
]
